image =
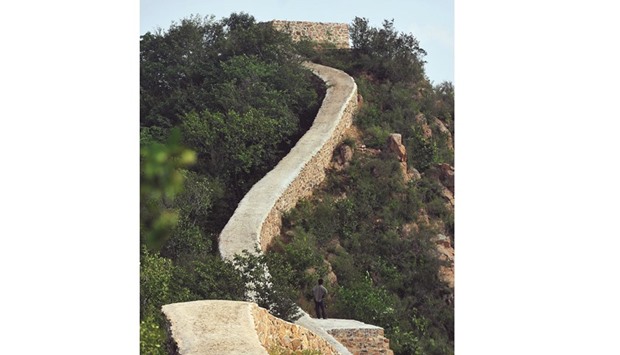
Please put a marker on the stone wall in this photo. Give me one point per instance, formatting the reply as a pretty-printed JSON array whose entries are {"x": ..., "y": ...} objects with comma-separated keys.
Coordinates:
[
  {"x": 234, "y": 327},
  {"x": 276, "y": 334},
  {"x": 363, "y": 340},
  {"x": 333, "y": 33},
  {"x": 258, "y": 217}
]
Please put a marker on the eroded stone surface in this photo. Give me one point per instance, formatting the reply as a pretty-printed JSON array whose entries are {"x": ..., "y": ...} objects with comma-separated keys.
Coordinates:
[{"x": 320, "y": 32}]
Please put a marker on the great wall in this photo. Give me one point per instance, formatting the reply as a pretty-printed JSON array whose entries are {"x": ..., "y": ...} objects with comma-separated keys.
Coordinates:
[{"x": 231, "y": 327}]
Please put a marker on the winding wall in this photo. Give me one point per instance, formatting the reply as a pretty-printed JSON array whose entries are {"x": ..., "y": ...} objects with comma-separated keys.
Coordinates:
[
  {"x": 203, "y": 326},
  {"x": 258, "y": 217},
  {"x": 234, "y": 327}
]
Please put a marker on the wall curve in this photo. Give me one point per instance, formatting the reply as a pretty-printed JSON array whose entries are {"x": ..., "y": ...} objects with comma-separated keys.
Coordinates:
[
  {"x": 235, "y": 327},
  {"x": 258, "y": 217}
]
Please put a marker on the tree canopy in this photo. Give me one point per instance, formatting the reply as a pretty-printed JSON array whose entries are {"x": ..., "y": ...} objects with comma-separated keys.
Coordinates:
[{"x": 221, "y": 102}]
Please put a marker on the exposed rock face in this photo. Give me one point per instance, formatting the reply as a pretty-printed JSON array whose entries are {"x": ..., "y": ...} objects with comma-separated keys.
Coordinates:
[
  {"x": 414, "y": 174},
  {"x": 344, "y": 156},
  {"x": 331, "y": 276},
  {"x": 410, "y": 228},
  {"x": 420, "y": 119},
  {"x": 446, "y": 253},
  {"x": 395, "y": 145},
  {"x": 444, "y": 130},
  {"x": 444, "y": 173},
  {"x": 449, "y": 196},
  {"x": 346, "y": 153}
]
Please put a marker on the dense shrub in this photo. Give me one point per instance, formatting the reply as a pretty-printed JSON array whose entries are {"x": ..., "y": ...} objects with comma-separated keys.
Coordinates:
[
  {"x": 386, "y": 276},
  {"x": 221, "y": 102}
]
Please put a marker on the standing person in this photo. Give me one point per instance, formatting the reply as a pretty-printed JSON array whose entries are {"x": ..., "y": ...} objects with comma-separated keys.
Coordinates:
[{"x": 319, "y": 292}]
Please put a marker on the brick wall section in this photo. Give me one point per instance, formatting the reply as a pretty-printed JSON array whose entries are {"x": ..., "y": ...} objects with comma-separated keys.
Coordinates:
[
  {"x": 320, "y": 32},
  {"x": 276, "y": 334},
  {"x": 258, "y": 217},
  {"x": 363, "y": 341}
]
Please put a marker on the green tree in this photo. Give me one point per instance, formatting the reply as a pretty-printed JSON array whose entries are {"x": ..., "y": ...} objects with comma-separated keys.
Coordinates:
[
  {"x": 155, "y": 283},
  {"x": 386, "y": 53},
  {"x": 367, "y": 302},
  {"x": 161, "y": 181},
  {"x": 270, "y": 282}
]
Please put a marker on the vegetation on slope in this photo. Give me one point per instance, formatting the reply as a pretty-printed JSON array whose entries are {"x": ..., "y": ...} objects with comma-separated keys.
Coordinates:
[
  {"x": 221, "y": 102},
  {"x": 368, "y": 230}
]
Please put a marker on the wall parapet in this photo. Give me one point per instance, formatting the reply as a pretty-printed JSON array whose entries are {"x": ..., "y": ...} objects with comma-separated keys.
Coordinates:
[
  {"x": 258, "y": 217},
  {"x": 320, "y": 32},
  {"x": 235, "y": 327},
  {"x": 358, "y": 337}
]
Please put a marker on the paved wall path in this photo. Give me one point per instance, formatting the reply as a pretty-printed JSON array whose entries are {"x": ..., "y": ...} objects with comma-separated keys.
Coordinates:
[
  {"x": 257, "y": 219},
  {"x": 213, "y": 327}
]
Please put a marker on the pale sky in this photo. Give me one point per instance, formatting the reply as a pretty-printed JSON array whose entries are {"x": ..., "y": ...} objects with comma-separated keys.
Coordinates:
[{"x": 430, "y": 21}]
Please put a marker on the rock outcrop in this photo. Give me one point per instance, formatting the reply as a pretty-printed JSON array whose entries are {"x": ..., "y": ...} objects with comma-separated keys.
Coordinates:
[
  {"x": 343, "y": 158},
  {"x": 446, "y": 253},
  {"x": 444, "y": 173},
  {"x": 422, "y": 122},
  {"x": 395, "y": 145},
  {"x": 445, "y": 131}
]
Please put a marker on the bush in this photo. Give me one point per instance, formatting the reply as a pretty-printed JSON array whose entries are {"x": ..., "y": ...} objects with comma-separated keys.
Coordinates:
[
  {"x": 270, "y": 282},
  {"x": 301, "y": 254},
  {"x": 366, "y": 302},
  {"x": 211, "y": 278},
  {"x": 376, "y": 137},
  {"x": 155, "y": 284},
  {"x": 152, "y": 337}
]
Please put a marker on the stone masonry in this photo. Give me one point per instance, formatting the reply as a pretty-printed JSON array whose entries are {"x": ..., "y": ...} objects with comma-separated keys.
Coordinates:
[
  {"x": 363, "y": 341},
  {"x": 234, "y": 327},
  {"x": 357, "y": 337},
  {"x": 258, "y": 217},
  {"x": 276, "y": 334},
  {"x": 257, "y": 220},
  {"x": 320, "y": 32}
]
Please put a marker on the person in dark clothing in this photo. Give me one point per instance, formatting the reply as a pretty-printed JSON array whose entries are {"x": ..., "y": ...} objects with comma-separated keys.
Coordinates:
[{"x": 319, "y": 292}]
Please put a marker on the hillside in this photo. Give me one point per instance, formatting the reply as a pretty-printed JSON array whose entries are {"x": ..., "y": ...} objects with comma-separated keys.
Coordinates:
[
  {"x": 380, "y": 230},
  {"x": 222, "y": 102}
]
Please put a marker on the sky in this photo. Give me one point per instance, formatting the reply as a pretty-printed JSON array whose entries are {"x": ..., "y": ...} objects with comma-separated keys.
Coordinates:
[{"x": 430, "y": 21}]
